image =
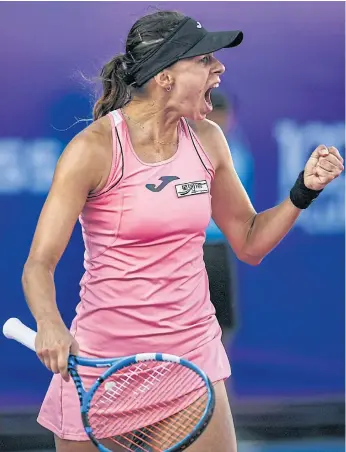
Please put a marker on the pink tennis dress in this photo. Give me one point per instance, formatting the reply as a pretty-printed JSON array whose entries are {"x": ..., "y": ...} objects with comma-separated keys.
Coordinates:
[{"x": 145, "y": 286}]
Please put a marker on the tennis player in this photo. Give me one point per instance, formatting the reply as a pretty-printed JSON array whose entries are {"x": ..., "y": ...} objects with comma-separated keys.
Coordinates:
[{"x": 144, "y": 186}]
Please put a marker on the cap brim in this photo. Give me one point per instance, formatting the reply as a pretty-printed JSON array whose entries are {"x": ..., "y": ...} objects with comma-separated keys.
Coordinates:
[{"x": 214, "y": 41}]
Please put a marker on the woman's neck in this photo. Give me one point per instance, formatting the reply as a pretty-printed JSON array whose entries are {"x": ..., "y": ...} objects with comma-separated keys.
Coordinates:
[{"x": 153, "y": 121}]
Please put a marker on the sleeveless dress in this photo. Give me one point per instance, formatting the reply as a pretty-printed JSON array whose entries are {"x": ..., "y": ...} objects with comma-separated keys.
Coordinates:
[{"x": 145, "y": 286}]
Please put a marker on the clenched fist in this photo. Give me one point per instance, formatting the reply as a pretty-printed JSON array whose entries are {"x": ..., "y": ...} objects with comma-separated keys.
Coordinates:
[{"x": 324, "y": 165}]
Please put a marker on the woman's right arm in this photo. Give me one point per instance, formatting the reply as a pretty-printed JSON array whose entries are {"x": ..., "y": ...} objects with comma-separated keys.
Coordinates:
[{"x": 82, "y": 168}]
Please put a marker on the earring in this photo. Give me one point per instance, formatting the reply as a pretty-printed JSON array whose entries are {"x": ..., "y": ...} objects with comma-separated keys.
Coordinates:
[{"x": 169, "y": 88}]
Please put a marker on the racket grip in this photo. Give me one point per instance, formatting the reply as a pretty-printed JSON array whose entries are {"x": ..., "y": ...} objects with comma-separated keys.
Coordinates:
[{"x": 15, "y": 329}]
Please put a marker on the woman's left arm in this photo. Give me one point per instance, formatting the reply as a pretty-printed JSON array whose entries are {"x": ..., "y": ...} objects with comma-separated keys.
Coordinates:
[{"x": 253, "y": 235}]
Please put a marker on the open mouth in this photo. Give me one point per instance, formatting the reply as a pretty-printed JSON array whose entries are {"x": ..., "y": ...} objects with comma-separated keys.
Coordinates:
[{"x": 207, "y": 95}]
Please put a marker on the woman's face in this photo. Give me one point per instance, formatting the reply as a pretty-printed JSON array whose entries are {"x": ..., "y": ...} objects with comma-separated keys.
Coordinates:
[{"x": 193, "y": 80}]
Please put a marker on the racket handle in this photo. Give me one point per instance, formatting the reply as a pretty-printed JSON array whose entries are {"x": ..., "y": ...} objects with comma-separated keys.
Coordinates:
[{"x": 15, "y": 329}]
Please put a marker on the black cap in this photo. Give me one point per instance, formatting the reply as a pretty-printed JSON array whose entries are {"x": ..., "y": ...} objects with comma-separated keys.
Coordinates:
[
  {"x": 189, "y": 39},
  {"x": 211, "y": 41}
]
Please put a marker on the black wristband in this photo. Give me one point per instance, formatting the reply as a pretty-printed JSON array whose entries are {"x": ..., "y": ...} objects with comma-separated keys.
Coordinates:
[{"x": 300, "y": 195}]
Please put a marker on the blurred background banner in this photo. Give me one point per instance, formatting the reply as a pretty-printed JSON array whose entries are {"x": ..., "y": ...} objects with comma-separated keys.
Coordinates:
[{"x": 286, "y": 94}]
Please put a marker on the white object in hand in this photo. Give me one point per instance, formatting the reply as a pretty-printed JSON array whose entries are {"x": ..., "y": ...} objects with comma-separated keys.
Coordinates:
[{"x": 15, "y": 329}]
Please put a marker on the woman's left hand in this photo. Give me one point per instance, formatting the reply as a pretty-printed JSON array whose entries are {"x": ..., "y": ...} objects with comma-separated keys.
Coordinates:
[{"x": 324, "y": 165}]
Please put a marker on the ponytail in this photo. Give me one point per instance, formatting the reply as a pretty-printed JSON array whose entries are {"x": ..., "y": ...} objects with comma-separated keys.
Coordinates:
[
  {"x": 145, "y": 36},
  {"x": 116, "y": 92}
]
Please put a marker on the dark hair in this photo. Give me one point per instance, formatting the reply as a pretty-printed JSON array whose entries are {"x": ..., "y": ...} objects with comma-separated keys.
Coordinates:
[{"x": 145, "y": 35}]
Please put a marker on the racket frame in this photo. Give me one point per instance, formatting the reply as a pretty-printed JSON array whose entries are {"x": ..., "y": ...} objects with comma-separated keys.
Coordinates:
[
  {"x": 16, "y": 330},
  {"x": 116, "y": 364}
]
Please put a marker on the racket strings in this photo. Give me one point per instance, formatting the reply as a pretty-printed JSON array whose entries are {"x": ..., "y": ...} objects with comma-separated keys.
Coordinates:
[
  {"x": 156, "y": 404},
  {"x": 128, "y": 391},
  {"x": 168, "y": 389},
  {"x": 133, "y": 394},
  {"x": 169, "y": 431},
  {"x": 129, "y": 385},
  {"x": 164, "y": 434}
]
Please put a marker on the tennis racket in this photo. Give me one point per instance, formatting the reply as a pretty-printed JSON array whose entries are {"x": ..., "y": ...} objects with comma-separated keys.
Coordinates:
[{"x": 146, "y": 402}]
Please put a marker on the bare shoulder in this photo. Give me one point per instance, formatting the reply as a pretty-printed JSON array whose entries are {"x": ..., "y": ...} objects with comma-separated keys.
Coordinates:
[
  {"x": 90, "y": 153},
  {"x": 212, "y": 139},
  {"x": 95, "y": 140}
]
